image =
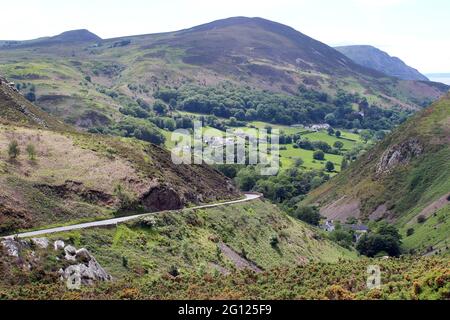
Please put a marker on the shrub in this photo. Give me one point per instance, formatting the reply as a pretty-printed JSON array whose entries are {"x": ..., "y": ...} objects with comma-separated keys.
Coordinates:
[
  {"x": 124, "y": 197},
  {"x": 409, "y": 232},
  {"x": 421, "y": 219},
  {"x": 13, "y": 150},
  {"x": 274, "y": 241},
  {"x": 173, "y": 271},
  {"x": 308, "y": 214},
  {"x": 30, "y": 96},
  {"x": 329, "y": 166},
  {"x": 319, "y": 155},
  {"x": 31, "y": 150},
  {"x": 338, "y": 145}
]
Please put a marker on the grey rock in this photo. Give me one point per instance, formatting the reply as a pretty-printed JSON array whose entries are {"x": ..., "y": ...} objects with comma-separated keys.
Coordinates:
[
  {"x": 87, "y": 272},
  {"x": 71, "y": 253},
  {"x": 12, "y": 247},
  {"x": 58, "y": 245},
  {"x": 40, "y": 242},
  {"x": 397, "y": 155}
]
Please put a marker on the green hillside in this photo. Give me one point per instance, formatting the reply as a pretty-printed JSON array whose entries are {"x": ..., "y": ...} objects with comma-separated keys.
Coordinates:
[
  {"x": 405, "y": 179},
  {"x": 52, "y": 174}
]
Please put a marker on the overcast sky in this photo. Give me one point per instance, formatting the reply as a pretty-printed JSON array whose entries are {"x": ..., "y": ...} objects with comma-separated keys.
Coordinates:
[{"x": 417, "y": 31}]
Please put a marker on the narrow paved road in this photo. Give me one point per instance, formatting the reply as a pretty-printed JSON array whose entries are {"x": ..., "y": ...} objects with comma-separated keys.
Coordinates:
[{"x": 109, "y": 222}]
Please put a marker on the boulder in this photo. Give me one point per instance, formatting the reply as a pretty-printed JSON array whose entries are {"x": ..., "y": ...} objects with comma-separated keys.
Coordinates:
[
  {"x": 12, "y": 247},
  {"x": 40, "y": 242},
  {"x": 87, "y": 272},
  {"x": 71, "y": 253},
  {"x": 58, "y": 245}
]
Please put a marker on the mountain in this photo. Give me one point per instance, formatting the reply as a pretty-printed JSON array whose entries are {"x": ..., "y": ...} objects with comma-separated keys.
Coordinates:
[
  {"x": 72, "y": 79},
  {"x": 81, "y": 35},
  {"x": 405, "y": 180},
  {"x": 72, "y": 36},
  {"x": 376, "y": 59},
  {"x": 68, "y": 176}
]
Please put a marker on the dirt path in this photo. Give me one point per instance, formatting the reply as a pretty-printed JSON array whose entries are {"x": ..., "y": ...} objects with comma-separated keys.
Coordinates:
[{"x": 238, "y": 260}]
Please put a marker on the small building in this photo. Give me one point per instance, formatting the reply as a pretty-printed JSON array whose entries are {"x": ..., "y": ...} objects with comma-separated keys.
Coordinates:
[
  {"x": 358, "y": 229},
  {"x": 328, "y": 226},
  {"x": 318, "y": 127}
]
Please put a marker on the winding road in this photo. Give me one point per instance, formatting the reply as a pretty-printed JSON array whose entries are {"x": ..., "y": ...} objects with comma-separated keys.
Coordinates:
[{"x": 115, "y": 221}]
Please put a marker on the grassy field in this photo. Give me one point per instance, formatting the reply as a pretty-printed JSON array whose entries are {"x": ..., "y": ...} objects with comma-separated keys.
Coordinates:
[{"x": 288, "y": 156}]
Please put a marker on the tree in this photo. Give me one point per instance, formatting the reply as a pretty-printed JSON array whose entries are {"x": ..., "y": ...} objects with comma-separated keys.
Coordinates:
[
  {"x": 330, "y": 131},
  {"x": 342, "y": 237},
  {"x": 319, "y": 155},
  {"x": 330, "y": 119},
  {"x": 170, "y": 124},
  {"x": 372, "y": 244},
  {"x": 160, "y": 107},
  {"x": 385, "y": 239},
  {"x": 31, "y": 96},
  {"x": 338, "y": 145},
  {"x": 329, "y": 166},
  {"x": 308, "y": 214},
  {"x": 338, "y": 134},
  {"x": 31, "y": 150},
  {"x": 246, "y": 179},
  {"x": 13, "y": 150}
]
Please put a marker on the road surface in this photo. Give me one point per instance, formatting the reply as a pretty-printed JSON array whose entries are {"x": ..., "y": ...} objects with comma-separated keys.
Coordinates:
[{"x": 115, "y": 221}]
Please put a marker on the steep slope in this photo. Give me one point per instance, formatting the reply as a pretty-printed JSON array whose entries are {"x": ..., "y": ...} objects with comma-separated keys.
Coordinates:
[
  {"x": 405, "y": 180},
  {"x": 15, "y": 109},
  {"x": 73, "y": 79},
  {"x": 69, "y": 175},
  {"x": 376, "y": 59},
  {"x": 213, "y": 242}
]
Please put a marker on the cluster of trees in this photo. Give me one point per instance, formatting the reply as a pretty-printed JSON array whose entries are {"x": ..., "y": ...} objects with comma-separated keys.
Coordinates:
[
  {"x": 383, "y": 240},
  {"x": 288, "y": 187},
  {"x": 28, "y": 90},
  {"x": 132, "y": 127},
  {"x": 305, "y": 107}
]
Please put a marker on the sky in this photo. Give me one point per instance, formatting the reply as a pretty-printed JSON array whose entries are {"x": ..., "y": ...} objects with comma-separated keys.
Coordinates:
[{"x": 417, "y": 31}]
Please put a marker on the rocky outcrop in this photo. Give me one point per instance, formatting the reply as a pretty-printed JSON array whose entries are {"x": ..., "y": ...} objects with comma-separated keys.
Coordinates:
[
  {"x": 73, "y": 189},
  {"x": 77, "y": 267},
  {"x": 86, "y": 270},
  {"x": 162, "y": 198},
  {"x": 397, "y": 155}
]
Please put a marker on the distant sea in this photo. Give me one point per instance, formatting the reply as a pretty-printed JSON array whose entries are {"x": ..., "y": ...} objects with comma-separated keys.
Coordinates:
[{"x": 439, "y": 77}]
